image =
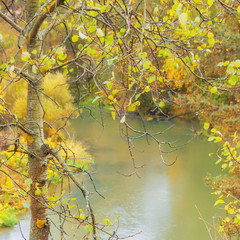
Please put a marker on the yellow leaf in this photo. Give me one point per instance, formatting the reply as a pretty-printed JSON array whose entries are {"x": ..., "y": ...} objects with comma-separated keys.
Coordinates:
[
  {"x": 40, "y": 223},
  {"x": 183, "y": 18},
  {"x": 53, "y": 3},
  {"x": 113, "y": 115},
  {"x": 114, "y": 92},
  {"x": 20, "y": 150},
  {"x": 219, "y": 201},
  {"x": 75, "y": 38},
  {"x": 110, "y": 97},
  {"x": 107, "y": 222},
  {"x": 213, "y": 90},
  {"x": 206, "y": 125},
  {"x": 161, "y": 104},
  {"x": 30, "y": 138}
]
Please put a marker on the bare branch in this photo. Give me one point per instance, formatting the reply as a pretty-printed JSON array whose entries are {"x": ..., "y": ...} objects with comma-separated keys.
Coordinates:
[{"x": 11, "y": 22}]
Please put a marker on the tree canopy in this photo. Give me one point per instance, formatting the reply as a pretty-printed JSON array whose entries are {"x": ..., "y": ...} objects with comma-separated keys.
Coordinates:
[{"x": 117, "y": 53}]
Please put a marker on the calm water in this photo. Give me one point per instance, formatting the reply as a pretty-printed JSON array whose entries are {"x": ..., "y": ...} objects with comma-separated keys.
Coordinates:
[{"x": 161, "y": 203}]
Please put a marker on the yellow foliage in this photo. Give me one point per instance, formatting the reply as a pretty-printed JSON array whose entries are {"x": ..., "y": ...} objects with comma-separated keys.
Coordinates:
[
  {"x": 76, "y": 150},
  {"x": 57, "y": 103},
  {"x": 40, "y": 223}
]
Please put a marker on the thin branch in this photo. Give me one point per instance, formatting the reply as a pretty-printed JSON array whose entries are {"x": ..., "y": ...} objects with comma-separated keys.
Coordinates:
[
  {"x": 74, "y": 179},
  {"x": 11, "y": 22},
  {"x": 40, "y": 19}
]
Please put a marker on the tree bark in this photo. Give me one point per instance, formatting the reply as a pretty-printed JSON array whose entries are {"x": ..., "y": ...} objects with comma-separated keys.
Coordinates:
[{"x": 36, "y": 157}]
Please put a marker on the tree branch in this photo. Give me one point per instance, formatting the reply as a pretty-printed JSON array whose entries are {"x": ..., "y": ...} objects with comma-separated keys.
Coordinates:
[
  {"x": 38, "y": 22},
  {"x": 29, "y": 132},
  {"x": 11, "y": 22},
  {"x": 47, "y": 150}
]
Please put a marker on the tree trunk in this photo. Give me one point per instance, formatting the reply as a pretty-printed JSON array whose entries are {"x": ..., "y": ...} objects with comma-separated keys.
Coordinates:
[{"x": 36, "y": 157}]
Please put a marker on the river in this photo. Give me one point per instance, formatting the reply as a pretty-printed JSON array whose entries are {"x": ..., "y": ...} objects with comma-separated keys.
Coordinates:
[{"x": 161, "y": 203}]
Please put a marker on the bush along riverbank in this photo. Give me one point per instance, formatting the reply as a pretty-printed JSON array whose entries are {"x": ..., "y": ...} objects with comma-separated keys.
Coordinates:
[
  {"x": 14, "y": 171},
  {"x": 15, "y": 182},
  {"x": 226, "y": 186}
]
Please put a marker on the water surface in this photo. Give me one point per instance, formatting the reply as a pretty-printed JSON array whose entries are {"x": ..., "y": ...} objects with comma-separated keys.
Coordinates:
[{"x": 161, "y": 202}]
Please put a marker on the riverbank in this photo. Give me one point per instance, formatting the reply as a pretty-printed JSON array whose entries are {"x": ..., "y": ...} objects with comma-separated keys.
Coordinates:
[
  {"x": 14, "y": 200},
  {"x": 161, "y": 203}
]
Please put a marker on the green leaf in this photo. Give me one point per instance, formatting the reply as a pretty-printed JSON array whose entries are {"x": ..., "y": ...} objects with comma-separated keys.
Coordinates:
[
  {"x": 122, "y": 31},
  {"x": 211, "y": 139},
  {"x": 146, "y": 64},
  {"x": 237, "y": 63},
  {"x": 114, "y": 92},
  {"x": 65, "y": 201},
  {"x": 210, "y": 2},
  {"x": 218, "y": 139},
  {"x": 151, "y": 79},
  {"x": 183, "y": 19},
  {"x": 219, "y": 201},
  {"x": 131, "y": 108},
  {"x": 230, "y": 69},
  {"x": 231, "y": 211},
  {"x": 103, "y": 8},
  {"x": 213, "y": 90},
  {"x": 34, "y": 69},
  {"x": 211, "y": 41},
  {"x": 224, "y": 166},
  {"x": 109, "y": 85},
  {"x": 25, "y": 56},
  {"x": 109, "y": 40},
  {"x": 113, "y": 115},
  {"x": 161, "y": 104},
  {"x": 3, "y": 66},
  {"x": 95, "y": 99},
  {"x": 155, "y": 11},
  {"x": 225, "y": 63},
  {"x": 137, "y": 96},
  {"x": 218, "y": 161},
  {"x": 206, "y": 125},
  {"x": 93, "y": 13},
  {"x": 92, "y": 29},
  {"x": 238, "y": 9},
  {"x": 147, "y": 89},
  {"x": 213, "y": 130},
  {"x": 100, "y": 32},
  {"x": 38, "y": 191},
  {"x": 89, "y": 228},
  {"x": 34, "y": 52},
  {"x": 28, "y": 181},
  {"x": 236, "y": 221},
  {"x": 233, "y": 80},
  {"x": 75, "y": 38},
  {"x": 107, "y": 222}
]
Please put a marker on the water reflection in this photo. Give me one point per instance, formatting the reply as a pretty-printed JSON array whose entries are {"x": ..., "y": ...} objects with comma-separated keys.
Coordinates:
[
  {"x": 161, "y": 203},
  {"x": 157, "y": 207}
]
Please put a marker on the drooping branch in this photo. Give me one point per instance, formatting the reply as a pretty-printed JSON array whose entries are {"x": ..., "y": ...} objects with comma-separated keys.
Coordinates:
[{"x": 84, "y": 191}]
